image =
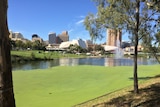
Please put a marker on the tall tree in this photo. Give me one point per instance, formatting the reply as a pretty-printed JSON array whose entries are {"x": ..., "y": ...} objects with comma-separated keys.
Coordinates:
[
  {"x": 6, "y": 85},
  {"x": 93, "y": 27},
  {"x": 138, "y": 17}
]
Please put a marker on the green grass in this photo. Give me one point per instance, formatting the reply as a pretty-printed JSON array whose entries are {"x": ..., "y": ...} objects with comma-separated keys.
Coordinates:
[
  {"x": 68, "y": 86},
  {"x": 43, "y": 55}
]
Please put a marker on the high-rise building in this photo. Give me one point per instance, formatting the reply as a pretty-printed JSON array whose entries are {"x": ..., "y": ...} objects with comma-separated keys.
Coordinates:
[
  {"x": 52, "y": 38},
  {"x": 64, "y": 37},
  {"x": 16, "y": 36},
  {"x": 114, "y": 37},
  {"x": 35, "y": 37}
]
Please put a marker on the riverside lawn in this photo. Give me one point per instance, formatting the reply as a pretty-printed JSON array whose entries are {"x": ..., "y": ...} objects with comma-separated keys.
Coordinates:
[
  {"x": 65, "y": 86},
  {"x": 43, "y": 54}
]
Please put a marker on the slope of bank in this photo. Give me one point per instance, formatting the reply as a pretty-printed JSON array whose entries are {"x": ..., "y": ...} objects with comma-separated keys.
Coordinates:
[{"x": 149, "y": 96}]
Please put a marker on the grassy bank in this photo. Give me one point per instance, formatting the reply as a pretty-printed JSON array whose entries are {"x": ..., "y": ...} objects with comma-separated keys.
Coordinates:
[
  {"x": 149, "y": 96},
  {"x": 23, "y": 56},
  {"x": 68, "y": 86}
]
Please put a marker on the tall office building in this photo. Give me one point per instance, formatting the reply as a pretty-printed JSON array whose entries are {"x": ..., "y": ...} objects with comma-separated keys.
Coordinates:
[
  {"x": 64, "y": 37},
  {"x": 114, "y": 37},
  {"x": 52, "y": 38}
]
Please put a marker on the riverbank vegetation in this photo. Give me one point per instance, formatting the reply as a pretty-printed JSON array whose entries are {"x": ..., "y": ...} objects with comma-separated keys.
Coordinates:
[
  {"x": 23, "y": 56},
  {"x": 33, "y": 55},
  {"x": 65, "y": 86}
]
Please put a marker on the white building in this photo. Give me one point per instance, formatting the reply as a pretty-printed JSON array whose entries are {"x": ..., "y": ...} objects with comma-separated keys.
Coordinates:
[
  {"x": 109, "y": 48},
  {"x": 78, "y": 42}
]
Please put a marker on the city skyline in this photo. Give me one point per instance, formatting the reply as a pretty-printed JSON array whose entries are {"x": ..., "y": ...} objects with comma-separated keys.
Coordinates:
[
  {"x": 41, "y": 17},
  {"x": 18, "y": 36}
]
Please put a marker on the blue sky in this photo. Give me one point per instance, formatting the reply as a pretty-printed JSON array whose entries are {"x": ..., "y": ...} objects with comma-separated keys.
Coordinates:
[{"x": 44, "y": 16}]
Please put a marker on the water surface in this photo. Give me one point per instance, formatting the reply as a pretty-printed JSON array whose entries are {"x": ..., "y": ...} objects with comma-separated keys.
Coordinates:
[{"x": 103, "y": 61}]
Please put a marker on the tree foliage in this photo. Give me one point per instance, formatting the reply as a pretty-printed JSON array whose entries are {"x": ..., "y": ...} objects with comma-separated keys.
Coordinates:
[
  {"x": 141, "y": 18},
  {"x": 94, "y": 28},
  {"x": 36, "y": 45},
  {"x": 76, "y": 48}
]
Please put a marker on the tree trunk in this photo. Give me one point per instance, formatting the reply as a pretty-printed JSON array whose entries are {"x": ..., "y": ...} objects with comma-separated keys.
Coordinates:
[
  {"x": 6, "y": 84},
  {"x": 135, "y": 50}
]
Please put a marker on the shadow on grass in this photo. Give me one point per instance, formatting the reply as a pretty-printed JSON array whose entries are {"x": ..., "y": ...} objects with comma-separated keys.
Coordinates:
[
  {"x": 147, "y": 97},
  {"x": 145, "y": 78}
]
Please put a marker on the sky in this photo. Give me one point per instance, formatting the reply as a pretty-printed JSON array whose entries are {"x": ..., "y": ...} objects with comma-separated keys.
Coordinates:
[{"x": 45, "y": 16}]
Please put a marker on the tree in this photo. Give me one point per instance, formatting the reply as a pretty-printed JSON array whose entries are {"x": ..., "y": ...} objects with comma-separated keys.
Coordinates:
[
  {"x": 157, "y": 41},
  {"x": 94, "y": 28},
  {"x": 99, "y": 48},
  {"x": 6, "y": 84},
  {"x": 28, "y": 44},
  {"x": 152, "y": 45},
  {"x": 75, "y": 48},
  {"x": 37, "y": 45},
  {"x": 19, "y": 44},
  {"x": 138, "y": 17}
]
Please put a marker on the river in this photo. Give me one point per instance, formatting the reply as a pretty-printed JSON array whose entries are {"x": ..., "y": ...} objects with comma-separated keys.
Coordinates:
[{"x": 100, "y": 61}]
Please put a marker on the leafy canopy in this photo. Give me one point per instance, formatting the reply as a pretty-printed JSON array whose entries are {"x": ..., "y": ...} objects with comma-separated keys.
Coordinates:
[{"x": 121, "y": 14}]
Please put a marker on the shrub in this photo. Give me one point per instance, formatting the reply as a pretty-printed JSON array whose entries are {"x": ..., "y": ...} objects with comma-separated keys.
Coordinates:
[{"x": 32, "y": 55}]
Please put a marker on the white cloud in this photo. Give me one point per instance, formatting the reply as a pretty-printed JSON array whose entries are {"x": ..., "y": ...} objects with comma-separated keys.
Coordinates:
[
  {"x": 80, "y": 22},
  {"x": 71, "y": 30},
  {"x": 82, "y": 16}
]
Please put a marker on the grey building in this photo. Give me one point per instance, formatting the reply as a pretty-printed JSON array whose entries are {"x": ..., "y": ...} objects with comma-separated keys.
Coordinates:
[
  {"x": 52, "y": 38},
  {"x": 64, "y": 37}
]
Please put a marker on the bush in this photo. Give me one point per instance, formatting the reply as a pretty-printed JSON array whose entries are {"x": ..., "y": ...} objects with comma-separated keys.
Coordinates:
[{"x": 32, "y": 55}]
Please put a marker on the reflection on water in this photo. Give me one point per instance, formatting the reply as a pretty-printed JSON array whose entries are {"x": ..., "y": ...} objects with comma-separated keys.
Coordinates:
[{"x": 82, "y": 61}]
